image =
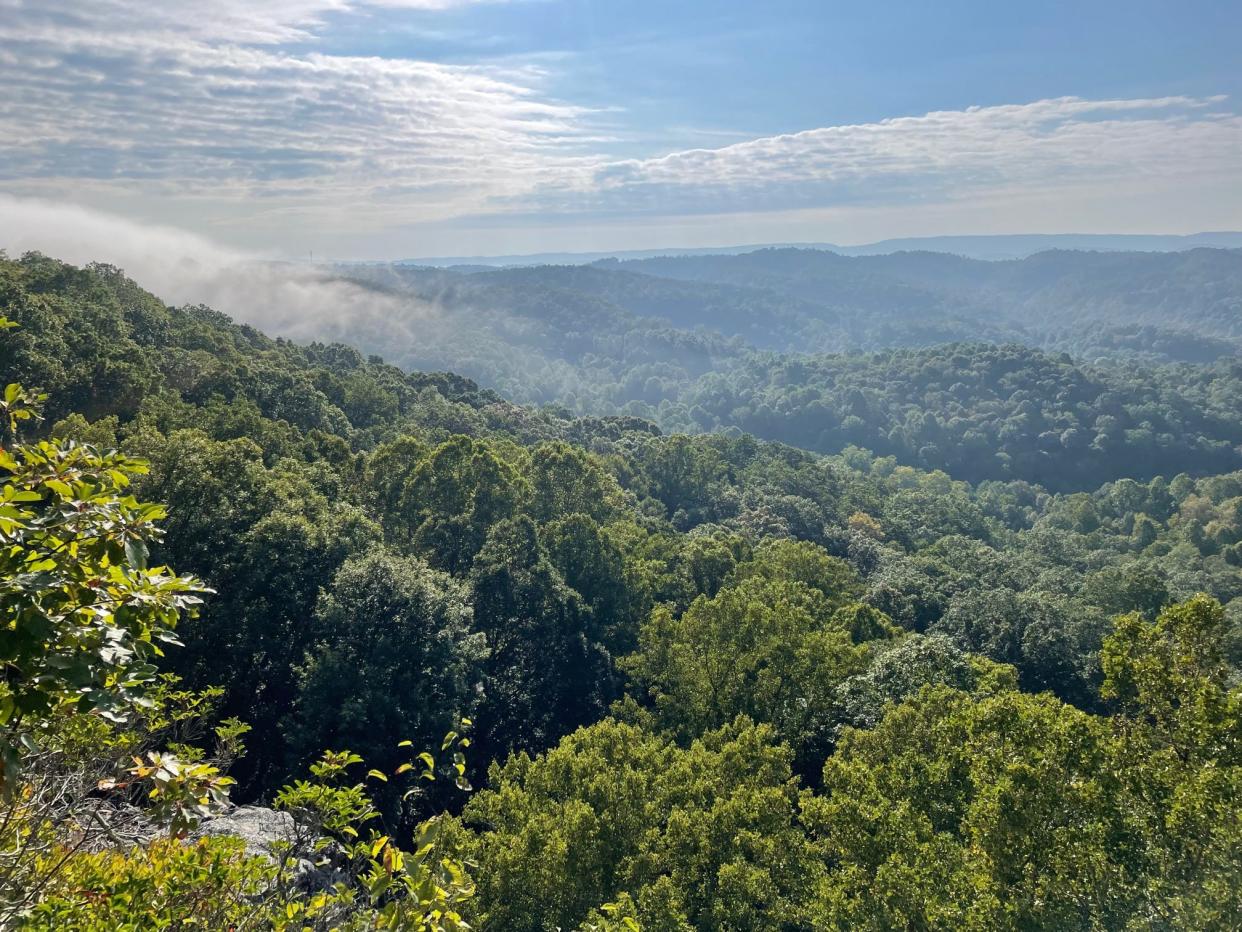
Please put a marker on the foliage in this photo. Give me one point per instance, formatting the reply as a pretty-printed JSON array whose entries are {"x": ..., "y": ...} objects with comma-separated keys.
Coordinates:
[
  {"x": 548, "y": 670},
  {"x": 763, "y": 648},
  {"x": 991, "y": 813},
  {"x": 846, "y": 691},
  {"x": 210, "y": 884},
  {"x": 90, "y": 782},
  {"x": 452, "y": 498},
  {"x": 85, "y": 613},
  {"x": 214, "y": 882},
  {"x": 396, "y": 660},
  {"x": 704, "y": 837},
  {"x": 383, "y": 885}
]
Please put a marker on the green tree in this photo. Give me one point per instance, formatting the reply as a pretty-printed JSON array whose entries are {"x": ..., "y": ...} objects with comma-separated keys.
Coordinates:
[
  {"x": 85, "y": 620},
  {"x": 963, "y": 813},
  {"x": 387, "y": 470},
  {"x": 396, "y": 660},
  {"x": 454, "y": 497},
  {"x": 85, "y": 613},
  {"x": 901, "y": 670},
  {"x": 763, "y": 648},
  {"x": 704, "y": 837},
  {"x": 806, "y": 563},
  {"x": 565, "y": 480},
  {"x": 548, "y": 671},
  {"x": 703, "y": 564},
  {"x": 1181, "y": 713},
  {"x": 594, "y": 565},
  {"x": 685, "y": 477},
  {"x": 268, "y": 539}
]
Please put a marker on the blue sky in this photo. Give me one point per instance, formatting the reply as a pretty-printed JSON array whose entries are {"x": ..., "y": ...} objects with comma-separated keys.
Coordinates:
[
  {"x": 386, "y": 128},
  {"x": 737, "y": 69}
]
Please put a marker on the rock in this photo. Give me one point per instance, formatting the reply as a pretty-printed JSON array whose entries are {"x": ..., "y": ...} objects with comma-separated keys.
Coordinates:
[{"x": 259, "y": 828}]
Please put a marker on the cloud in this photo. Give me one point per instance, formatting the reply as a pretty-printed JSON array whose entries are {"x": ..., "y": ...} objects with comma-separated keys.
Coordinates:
[
  {"x": 241, "y": 21},
  {"x": 240, "y": 118},
  {"x": 1054, "y": 143},
  {"x": 235, "y": 101},
  {"x": 171, "y": 262}
]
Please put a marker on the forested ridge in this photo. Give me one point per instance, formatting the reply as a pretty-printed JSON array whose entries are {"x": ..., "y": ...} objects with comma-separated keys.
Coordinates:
[
  {"x": 1098, "y": 365},
  {"x": 710, "y": 680}
]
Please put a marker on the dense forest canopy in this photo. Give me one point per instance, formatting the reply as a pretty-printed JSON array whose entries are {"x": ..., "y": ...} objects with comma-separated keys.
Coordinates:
[
  {"x": 1102, "y": 365},
  {"x": 940, "y": 637}
]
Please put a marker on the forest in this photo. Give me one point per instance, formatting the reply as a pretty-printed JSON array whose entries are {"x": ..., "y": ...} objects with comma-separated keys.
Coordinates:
[
  {"x": 1098, "y": 366},
  {"x": 687, "y": 593}
]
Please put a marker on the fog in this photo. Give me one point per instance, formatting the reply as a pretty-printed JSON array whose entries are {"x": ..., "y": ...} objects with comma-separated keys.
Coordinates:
[{"x": 300, "y": 302}]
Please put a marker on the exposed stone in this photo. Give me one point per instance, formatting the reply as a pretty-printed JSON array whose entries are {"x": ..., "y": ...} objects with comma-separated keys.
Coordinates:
[
  {"x": 262, "y": 829},
  {"x": 258, "y": 827}
]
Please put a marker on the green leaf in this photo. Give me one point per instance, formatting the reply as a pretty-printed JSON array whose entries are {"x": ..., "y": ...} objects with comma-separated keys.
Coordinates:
[
  {"x": 60, "y": 488},
  {"x": 136, "y": 553}
]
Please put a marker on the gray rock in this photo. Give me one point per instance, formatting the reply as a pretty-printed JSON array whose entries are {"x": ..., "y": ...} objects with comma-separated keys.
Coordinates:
[{"x": 259, "y": 828}]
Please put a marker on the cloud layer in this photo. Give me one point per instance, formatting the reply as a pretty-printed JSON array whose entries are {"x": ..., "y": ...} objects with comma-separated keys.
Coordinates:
[
  {"x": 234, "y": 100},
  {"x": 237, "y": 118},
  {"x": 1048, "y": 143}
]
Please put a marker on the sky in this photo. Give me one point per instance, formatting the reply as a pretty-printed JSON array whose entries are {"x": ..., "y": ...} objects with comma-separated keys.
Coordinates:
[{"x": 373, "y": 129}]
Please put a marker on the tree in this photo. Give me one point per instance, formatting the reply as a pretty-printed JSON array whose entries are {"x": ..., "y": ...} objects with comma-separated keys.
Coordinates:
[
  {"x": 85, "y": 617},
  {"x": 594, "y": 565},
  {"x": 1134, "y": 587},
  {"x": 566, "y": 481},
  {"x": 684, "y": 476},
  {"x": 806, "y": 563},
  {"x": 957, "y": 812},
  {"x": 86, "y": 614},
  {"x": 900, "y": 671},
  {"x": 704, "y": 837},
  {"x": 1174, "y": 674},
  {"x": 269, "y": 539},
  {"x": 388, "y": 468},
  {"x": 1181, "y": 713},
  {"x": 547, "y": 671},
  {"x": 1035, "y": 634},
  {"x": 453, "y": 498},
  {"x": 704, "y": 564},
  {"x": 396, "y": 660},
  {"x": 764, "y": 648}
]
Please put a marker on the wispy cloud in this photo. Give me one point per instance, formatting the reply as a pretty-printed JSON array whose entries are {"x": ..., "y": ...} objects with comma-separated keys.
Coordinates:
[
  {"x": 238, "y": 117},
  {"x": 1048, "y": 143},
  {"x": 233, "y": 99},
  {"x": 254, "y": 22}
]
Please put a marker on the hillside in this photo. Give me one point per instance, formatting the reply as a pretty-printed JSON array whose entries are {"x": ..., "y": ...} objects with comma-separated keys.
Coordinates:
[
  {"x": 769, "y": 343},
  {"x": 1061, "y": 299},
  {"x": 683, "y": 656}
]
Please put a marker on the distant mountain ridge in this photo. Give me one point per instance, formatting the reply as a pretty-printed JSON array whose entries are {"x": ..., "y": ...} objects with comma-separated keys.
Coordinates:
[
  {"x": 690, "y": 341},
  {"x": 1060, "y": 299},
  {"x": 1000, "y": 246}
]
